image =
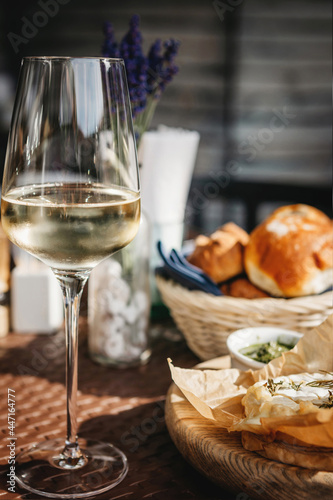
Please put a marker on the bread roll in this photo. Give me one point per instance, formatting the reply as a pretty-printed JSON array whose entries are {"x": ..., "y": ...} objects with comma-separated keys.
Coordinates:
[
  {"x": 242, "y": 288},
  {"x": 221, "y": 255},
  {"x": 291, "y": 253}
]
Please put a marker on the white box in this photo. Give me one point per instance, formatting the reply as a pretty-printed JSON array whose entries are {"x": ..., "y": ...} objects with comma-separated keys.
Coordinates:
[{"x": 36, "y": 300}]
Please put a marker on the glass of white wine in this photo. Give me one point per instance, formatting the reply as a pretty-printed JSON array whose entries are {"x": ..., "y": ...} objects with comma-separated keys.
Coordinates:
[{"x": 71, "y": 197}]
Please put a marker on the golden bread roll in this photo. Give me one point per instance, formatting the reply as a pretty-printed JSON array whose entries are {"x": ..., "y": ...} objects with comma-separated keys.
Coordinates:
[
  {"x": 221, "y": 254},
  {"x": 242, "y": 288},
  {"x": 291, "y": 253}
]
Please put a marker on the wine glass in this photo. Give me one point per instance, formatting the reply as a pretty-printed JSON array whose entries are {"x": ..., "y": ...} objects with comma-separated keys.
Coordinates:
[{"x": 71, "y": 197}]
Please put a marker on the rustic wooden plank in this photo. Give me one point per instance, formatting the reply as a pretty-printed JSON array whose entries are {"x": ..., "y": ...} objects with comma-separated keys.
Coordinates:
[
  {"x": 294, "y": 27},
  {"x": 298, "y": 76},
  {"x": 264, "y": 48},
  {"x": 318, "y": 9}
]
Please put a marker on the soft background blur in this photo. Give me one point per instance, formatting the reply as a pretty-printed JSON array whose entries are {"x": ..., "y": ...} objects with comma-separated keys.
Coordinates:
[{"x": 255, "y": 81}]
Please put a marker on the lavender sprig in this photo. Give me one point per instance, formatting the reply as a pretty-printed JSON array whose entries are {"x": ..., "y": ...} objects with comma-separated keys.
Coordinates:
[
  {"x": 109, "y": 47},
  {"x": 155, "y": 61},
  {"x": 136, "y": 65},
  {"x": 147, "y": 76},
  {"x": 169, "y": 68},
  {"x": 161, "y": 67}
]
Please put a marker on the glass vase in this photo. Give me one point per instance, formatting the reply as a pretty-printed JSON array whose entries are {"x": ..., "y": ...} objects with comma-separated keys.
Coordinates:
[{"x": 119, "y": 305}]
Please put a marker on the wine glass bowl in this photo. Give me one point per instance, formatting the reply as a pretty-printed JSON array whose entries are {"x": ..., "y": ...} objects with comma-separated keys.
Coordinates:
[
  {"x": 71, "y": 197},
  {"x": 70, "y": 189}
]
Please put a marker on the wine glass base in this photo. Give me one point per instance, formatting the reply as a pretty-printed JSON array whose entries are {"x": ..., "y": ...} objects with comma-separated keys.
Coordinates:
[{"x": 104, "y": 466}]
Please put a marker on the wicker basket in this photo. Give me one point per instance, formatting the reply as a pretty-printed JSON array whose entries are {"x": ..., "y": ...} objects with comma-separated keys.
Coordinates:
[{"x": 206, "y": 320}]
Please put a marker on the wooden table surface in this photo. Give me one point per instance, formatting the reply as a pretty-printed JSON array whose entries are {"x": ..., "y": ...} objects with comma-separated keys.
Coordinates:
[{"x": 125, "y": 407}]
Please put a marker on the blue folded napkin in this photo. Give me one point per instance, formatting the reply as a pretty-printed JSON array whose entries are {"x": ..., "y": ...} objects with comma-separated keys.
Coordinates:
[{"x": 180, "y": 270}]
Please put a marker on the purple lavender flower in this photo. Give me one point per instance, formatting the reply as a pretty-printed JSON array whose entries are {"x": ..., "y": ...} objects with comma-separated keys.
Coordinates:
[
  {"x": 169, "y": 68},
  {"x": 171, "y": 49},
  {"x": 146, "y": 76},
  {"x": 155, "y": 61},
  {"x": 136, "y": 65},
  {"x": 109, "y": 47},
  {"x": 161, "y": 67}
]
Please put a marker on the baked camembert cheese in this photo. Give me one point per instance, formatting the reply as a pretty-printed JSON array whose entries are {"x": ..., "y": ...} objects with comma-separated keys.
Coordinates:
[
  {"x": 289, "y": 419},
  {"x": 298, "y": 394}
]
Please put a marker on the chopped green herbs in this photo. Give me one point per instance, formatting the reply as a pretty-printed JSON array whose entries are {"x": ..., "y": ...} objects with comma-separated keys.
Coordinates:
[{"x": 267, "y": 351}]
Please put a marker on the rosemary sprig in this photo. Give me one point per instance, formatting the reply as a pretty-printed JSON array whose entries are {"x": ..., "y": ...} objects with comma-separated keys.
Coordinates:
[
  {"x": 295, "y": 386},
  {"x": 326, "y": 384},
  {"x": 273, "y": 386},
  {"x": 329, "y": 402}
]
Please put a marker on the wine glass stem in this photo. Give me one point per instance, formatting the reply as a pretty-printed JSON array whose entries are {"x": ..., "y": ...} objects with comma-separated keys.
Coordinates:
[{"x": 72, "y": 285}]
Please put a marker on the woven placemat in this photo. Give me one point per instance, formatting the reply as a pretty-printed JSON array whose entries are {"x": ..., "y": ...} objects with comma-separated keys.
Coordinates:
[{"x": 125, "y": 407}]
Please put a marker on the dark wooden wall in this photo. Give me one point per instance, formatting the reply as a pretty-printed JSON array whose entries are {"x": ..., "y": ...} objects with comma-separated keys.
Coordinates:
[{"x": 285, "y": 60}]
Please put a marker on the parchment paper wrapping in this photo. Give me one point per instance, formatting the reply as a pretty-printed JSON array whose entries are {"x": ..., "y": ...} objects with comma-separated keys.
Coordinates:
[{"x": 217, "y": 394}]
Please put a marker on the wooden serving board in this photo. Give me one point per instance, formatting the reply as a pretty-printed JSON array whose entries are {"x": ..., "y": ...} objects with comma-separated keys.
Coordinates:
[{"x": 219, "y": 456}]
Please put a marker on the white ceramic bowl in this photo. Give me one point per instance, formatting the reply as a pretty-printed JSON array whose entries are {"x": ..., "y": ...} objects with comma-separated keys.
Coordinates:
[{"x": 260, "y": 335}]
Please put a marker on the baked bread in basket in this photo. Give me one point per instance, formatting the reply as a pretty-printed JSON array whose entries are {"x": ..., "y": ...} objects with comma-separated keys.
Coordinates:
[{"x": 287, "y": 263}]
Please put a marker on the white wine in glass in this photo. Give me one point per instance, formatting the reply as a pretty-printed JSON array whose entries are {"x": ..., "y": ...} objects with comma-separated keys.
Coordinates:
[
  {"x": 71, "y": 197},
  {"x": 57, "y": 226}
]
